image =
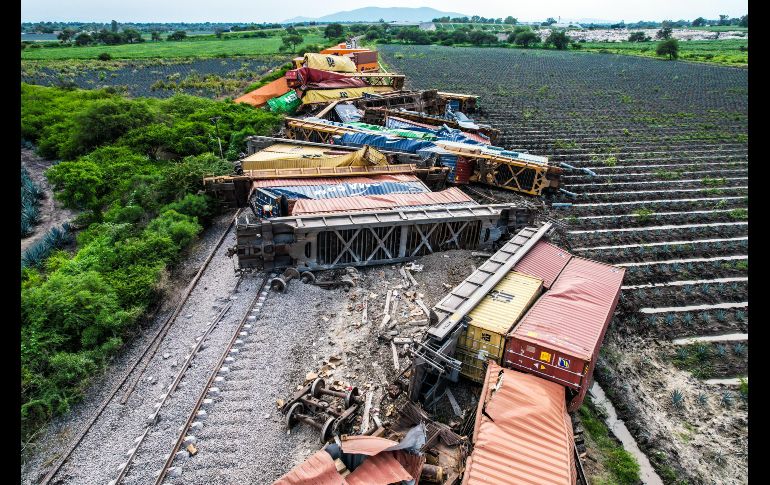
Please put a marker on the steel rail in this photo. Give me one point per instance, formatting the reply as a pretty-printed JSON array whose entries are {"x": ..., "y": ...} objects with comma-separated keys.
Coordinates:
[
  {"x": 178, "y": 309},
  {"x": 171, "y": 388},
  {"x": 158, "y": 336},
  {"x": 214, "y": 373}
]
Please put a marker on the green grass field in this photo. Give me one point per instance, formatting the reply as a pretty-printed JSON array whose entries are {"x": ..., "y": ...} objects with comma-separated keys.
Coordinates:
[
  {"x": 198, "y": 46},
  {"x": 725, "y": 52}
]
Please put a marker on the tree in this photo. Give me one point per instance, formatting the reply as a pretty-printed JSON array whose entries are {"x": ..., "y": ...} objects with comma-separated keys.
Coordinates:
[
  {"x": 699, "y": 22},
  {"x": 291, "y": 30},
  {"x": 510, "y": 20},
  {"x": 290, "y": 40},
  {"x": 66, "y": 35},
  {"x": 459, "y": 37},
  {"x": 549, "y": 21},
  {"x": 83, "y": 39},
  {"x": 155, "y": 35},
  {"x": 664, "y": 33},
  {"x": 478, "y": 37},
  {"x": 669, "y": 47},
  {"x": 525, "y": 39},
  {"x": 114, "y": 26},
  {"x": 333, "y": 31},
  {"x": 218, "y": 33},
  {"x": 178, "y": 35},
  {"x": 744, "y": 22},
  {"x": 132, "y": 36},
  {"x": 558, "y": 38},
  {"x": 724, "y": 20},
  {"x": 638, "y": 37}
]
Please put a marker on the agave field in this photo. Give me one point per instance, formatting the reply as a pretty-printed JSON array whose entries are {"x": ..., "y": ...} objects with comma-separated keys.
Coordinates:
[
  {"x": 208, "y": 77},
  {"x": 660, "y": 187}
]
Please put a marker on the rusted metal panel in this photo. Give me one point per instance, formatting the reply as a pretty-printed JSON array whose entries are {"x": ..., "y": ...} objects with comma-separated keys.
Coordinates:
[
  {"x": 381, "y": 469},
  {"x": 318, "y": 469},
  {"x": 463, "y": 170},
  {"x": 544, "y": 261},
  {"x": 559, "y": 338},
  {"x": 449, "y": 196},
  {"x": 365, "y": 445},
  {"x": 522, "y": 434}
]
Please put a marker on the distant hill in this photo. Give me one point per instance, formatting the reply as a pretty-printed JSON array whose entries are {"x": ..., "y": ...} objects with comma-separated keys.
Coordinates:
[{"x": 373, "y": 14}]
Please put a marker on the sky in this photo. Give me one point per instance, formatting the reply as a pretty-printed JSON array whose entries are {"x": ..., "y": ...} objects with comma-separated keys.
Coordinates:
[{"x": 271, "y": 11}]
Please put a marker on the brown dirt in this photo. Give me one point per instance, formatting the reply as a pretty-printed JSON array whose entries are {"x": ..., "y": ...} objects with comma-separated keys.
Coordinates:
[
  {"x": 51, "y": 211},
  {"x": 642, "y": 383}
]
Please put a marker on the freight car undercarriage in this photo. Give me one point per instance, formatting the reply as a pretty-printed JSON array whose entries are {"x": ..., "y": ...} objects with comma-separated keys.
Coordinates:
[{"x": 335, "y": 240}]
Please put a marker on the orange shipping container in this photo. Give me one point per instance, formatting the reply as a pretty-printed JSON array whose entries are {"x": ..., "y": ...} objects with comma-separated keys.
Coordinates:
[
  {"x": 522, "y": 434},
  {"x": 260, "y": 96}
]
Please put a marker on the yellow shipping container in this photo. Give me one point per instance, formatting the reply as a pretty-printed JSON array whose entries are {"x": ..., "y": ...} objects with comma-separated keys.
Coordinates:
[
  {"x": 328, "y": 62},
  {"x": 327, "y": 95},
  {"x": 292, "y": 156},
  {"x": 492, "y": 319}
]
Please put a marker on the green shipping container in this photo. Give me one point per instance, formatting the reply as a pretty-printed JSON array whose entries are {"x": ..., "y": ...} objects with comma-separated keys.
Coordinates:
[{"x": 287, "y": 103}]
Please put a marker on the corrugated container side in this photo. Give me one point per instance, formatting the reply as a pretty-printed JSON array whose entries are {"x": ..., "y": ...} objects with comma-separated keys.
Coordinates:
[
  {"x": 448, "y": 196},
  {"x": 491, "y": 319},
  {"x": 522, "y": 434},
  {"x": 450, "y": 161},
  {"x": 463, "y": 170},
  {"x": 544, "y": 261},
  {"x": 560, "y": 336},
  {"x": 331, "y": 191}
]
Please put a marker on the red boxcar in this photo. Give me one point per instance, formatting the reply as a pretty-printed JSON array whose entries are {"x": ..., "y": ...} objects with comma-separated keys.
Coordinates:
[{"x": 560, "y": 336}]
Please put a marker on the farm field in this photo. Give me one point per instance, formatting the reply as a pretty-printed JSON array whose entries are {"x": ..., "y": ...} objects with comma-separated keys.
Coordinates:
[
  {"x": 209, "y": 77},
  {"x": 198, "y": 46},
  {"x": 729, "y": 51},
  {"x": 664, "y": 195}
]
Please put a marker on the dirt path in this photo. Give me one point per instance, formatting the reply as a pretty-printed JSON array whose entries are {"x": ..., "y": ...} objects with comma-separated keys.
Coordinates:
[{"x": 51, "y": 211}]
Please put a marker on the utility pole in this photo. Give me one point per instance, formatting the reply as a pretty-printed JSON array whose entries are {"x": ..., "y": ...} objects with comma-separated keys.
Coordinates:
[{"x": 215, "y": 120}]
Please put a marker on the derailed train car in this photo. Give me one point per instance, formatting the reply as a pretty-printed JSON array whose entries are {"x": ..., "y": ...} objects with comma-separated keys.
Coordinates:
[{"x": 557, "y": 339}]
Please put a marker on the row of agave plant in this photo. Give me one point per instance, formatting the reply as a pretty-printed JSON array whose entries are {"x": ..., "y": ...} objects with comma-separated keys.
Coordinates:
[
  {"x": 31, "y": 194},
  {"x": 55, "y": 238}
]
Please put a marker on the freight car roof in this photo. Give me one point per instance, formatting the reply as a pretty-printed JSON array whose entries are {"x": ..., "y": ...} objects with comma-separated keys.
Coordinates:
[
  {"x": 523, "y": 434},
  {"x": 572, "y": 315},
  {"x": 449, "y": 196},
  {"x": 544, "y": 261}
]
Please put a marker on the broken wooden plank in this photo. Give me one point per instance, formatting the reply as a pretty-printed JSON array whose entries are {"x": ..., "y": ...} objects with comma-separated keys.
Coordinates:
[
  {"x": 403, "y": 276},
  {"x": 385, "y": 321},
  {"x": 455, "y": 407},
  {"x": 365, "y": 313},
  {"x": 367, "y": 409},
  {"x": 422, "y": 306},
  {"x": 411, "y": 278},
  {"x": 396, "y": 364},
  {"x": 386, "y": 311}
]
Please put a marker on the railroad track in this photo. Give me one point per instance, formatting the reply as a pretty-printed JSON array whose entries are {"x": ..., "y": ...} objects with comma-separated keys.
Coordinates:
[
  {"x": 139, "y": 365},
  {"x": 185, "y": 437}
]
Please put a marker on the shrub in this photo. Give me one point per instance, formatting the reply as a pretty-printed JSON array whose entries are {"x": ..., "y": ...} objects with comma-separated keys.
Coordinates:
[
  {"x": 668, "y": 48},
  {"x": 104, "y": 56}
]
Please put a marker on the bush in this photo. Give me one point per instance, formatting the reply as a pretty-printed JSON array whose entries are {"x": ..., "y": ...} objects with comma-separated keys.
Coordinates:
[
  {"x": 668, "y": 48},
  {"x": 526, "y": 39},
  {"x": 127, "y": 163},
  {"x": 558, "y": 39},
  {"x": 104, "y": 56},
  {"x": 638, "y": 37}
]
